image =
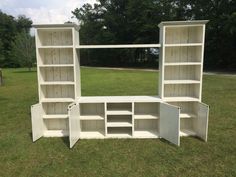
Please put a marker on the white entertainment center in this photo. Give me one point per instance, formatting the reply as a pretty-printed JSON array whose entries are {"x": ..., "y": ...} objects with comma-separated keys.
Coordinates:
[{"x": 176, "y": 111}]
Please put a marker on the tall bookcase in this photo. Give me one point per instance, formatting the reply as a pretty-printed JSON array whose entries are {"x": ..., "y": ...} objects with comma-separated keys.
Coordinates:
[
  {"x": 181, "y": 68},
  {"x": 58, "y": 75},
  {"x": 177, "y": 111}
]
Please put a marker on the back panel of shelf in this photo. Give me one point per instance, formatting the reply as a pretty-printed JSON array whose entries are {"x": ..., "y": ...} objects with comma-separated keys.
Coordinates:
[{"x": 57, "y": 91}]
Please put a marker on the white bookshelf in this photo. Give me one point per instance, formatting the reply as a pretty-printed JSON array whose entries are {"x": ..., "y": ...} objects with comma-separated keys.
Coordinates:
[{"x": 177, "y": 110}]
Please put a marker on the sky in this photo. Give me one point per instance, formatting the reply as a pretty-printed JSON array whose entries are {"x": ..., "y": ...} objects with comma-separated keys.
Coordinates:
[{"x": 43, "y": 11}]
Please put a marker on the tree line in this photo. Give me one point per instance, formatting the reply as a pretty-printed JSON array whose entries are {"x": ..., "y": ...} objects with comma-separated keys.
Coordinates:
[{"x": 136, "y": 21}]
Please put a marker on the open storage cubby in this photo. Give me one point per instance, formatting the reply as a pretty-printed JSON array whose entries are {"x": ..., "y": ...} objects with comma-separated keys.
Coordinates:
[
  {"x": 119, "y": 121},
  {"x": 146, "y": 110},
  {"x": 187, "y": 127},
  {"x": 146, "y": 128},
  {"x": 119, "y": 108},
  {"x": 182, "y": 73},
  {"x": 182, "y": 90},
  {"x": 92, "y": 111},
  {"x": 50, "y": 74},
  {"x": 188, "y": 109},
  {"x": 55, "y": 37},
  {"x": 92, "y": 128},
  {"x": 57, "y": 91},
  {"x": 183, "y": 55},
  {"x": 55, "y": 56},
  {"x": 183, "y": 34},
  {"x": 119, "y": 132}
]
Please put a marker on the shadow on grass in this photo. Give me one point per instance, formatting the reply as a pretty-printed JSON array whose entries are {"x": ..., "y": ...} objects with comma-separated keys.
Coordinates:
[
  {"x": 65, "y": 140},
  {"x": 32, "y": 71}
]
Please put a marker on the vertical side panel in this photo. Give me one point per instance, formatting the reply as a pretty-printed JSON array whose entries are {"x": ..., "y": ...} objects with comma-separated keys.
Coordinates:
[
  {"x": 74, "y": 124},
  {"x": 202, "y": 121},
  {"x": 37, "y": 121},
  {"x": 170, "y": 123}
]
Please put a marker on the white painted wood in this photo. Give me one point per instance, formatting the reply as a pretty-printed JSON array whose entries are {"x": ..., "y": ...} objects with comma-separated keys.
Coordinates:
[
  {"x": 118, "y": 46},
  {"x": 146, "y": 116},
  {"x": 187, "y": 133},
  {"x": 56, "y": 133},
  {"x": 74, "y": 124},
  {"x": 55, "y": 116},
  {"x": 146, "y": 134},
  {"x": 170, "y": 123},
  {"x": 181, "y": 82},
  {"x": 182, "y": 63},
  {"x": 37, "y": 121},
  {"x": 201, "y": 123},
  {"x": 187, "y": 115},
  {"x": 57, "y": 100},
  {"x": 180, "y": 99},
  {"x": 91, "y": 117},
  {"x": 57, "y": 83}
]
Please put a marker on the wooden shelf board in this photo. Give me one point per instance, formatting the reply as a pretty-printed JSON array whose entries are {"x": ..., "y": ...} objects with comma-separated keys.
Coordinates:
[
  {"x": 187, "y": 115},
  {"x": 117, "y": 46},
  {"x": 183, "y": 99},
  {"x": 119, "y": 112},
  {"x": 91, "y": 117},
  {"x": 183, "y": 44},
  {"x": 51, "y": 100},
  {"x": 119, "y": 135},
  {"x": 56, "y": 133},
  {"x": 56, "y": 65},
  {"x": 187, "y": 133},
  {"x": 146, "y": 116},
  {"x": 119, "y": 124},
  {"x": 55, "y": 116},
  {"x": 146, "y": 134},
  {"x": 182, "y": 63},
  {"x": 58, "y": 83},
  {"x": 91, "y": 134},
  {"x": 55, "y": 46},
  {"x": 181, "y": 82}
]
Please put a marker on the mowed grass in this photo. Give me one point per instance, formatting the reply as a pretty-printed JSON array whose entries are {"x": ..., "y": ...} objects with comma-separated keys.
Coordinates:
[{"x": 126, "y": 157}]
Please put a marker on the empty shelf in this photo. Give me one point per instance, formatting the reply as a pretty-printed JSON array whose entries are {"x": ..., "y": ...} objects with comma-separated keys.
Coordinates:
[
  {"x": 182, "y": 63},
  {"x": 187, "y": 115},
  {"x": 56, "y": 100},
  {"x": 181, "y": 82},
  {"x": 56, "y": 133},
  {"x": 119, "y": 112},
  {"x": 56, "y": 65},
  {"x": 174, "y": 99},
  {"x": 119, "y": 135},
  {"x": 119, "y": 124},
  {"x": 146, "y": 116},
  {"x": 55, "y": 116},
  {"x": 187, "y": 133},
  {"x": 91, "y": 117},
  {"x": 57, "y": 83},
  {"x": 91, "y": 134},
  {"x": 146, "y": 134},
  {"x": 55, "y": 46},
  {"x": 185, "y": 44}
]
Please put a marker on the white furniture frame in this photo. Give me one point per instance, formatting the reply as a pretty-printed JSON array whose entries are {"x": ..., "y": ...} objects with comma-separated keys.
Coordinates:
[{"x": 177, "y": 111}]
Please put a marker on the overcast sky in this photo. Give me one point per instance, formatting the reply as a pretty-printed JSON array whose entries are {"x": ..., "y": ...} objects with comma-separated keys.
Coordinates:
[{"x": 43, "y": 11}]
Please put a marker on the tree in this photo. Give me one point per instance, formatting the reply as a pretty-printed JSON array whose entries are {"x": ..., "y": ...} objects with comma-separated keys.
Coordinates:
[{"x": 23, "y": 50}]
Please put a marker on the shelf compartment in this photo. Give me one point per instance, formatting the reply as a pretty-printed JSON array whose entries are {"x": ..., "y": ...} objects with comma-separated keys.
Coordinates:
[
  {"x": 55, "y": 108},
  {"x": 54, "y": 37},
  {"x": 55, "y": 116},
  {"x": 119, "y": 121},
  {"x": 187, "y": 127},
  {"x": 92, "y": 128},
  {"x": 187, "y": 115},
  {"x": 56, "y": 124},
  {"x": 92, "y": 111},
  {"x": 183, "y": 55},
  {"x": 182, "y": 63},
  {"x": 57, "y": 83},
  {"x": 146, "y": 134},
  {"x": 187, "y": 133},
  {"x": 56, "y": 74},
  {"x": 119, "y": 108},
  {"x": 146, "y": 110},
  {"x": 56, "y": 133},
  {"x": 188, "y": 109},
  {"x": 55, "y": 56},
  {"x": 182, "y": 90},
  {"x": 181, "y": 99},
  {"x": 181, "y": 82},
  {"x": 119, "y": 132},
  {"x": 184, "y": 35},
  {"x": 56, "y": 65},
  {"x": 184, "y": 72},
  {"x": 183, "y": 45},
  {"x": 57, "y": 91}
]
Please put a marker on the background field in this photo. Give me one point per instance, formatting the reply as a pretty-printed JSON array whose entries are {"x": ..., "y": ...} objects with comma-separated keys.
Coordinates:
[{"x": 52, "y": 157}]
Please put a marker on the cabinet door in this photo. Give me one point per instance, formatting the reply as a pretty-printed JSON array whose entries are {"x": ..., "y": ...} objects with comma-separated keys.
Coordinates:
[
  {"x": 74, "y": 124},
  {"x": 170, "y": 123},
  {"x": 37, "y": 121},
  {"x": 202, "y": 121}
]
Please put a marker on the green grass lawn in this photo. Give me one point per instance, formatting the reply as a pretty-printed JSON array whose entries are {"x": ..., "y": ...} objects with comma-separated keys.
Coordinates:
[{"x": 112, "y": 157}]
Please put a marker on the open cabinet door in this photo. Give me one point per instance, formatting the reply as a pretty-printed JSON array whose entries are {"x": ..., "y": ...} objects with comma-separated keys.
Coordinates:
[
  {"x": 170, "y": 123},
  {"x": 202, "y": 121},
  {"x": 74, "y": 124},
  {"x": 37, "y": 121}
]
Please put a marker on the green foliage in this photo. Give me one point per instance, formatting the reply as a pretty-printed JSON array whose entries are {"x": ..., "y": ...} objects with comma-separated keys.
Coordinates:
[
  {"x": 9, "y": 28},
  {"x": 19, "y": 156},
  {"x": 128, "y": 21},
  {"x": 23, "y": 50}
]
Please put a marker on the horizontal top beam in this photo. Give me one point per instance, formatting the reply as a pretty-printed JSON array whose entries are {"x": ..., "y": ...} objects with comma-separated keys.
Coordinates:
[{"x": 117, "y": 46}]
